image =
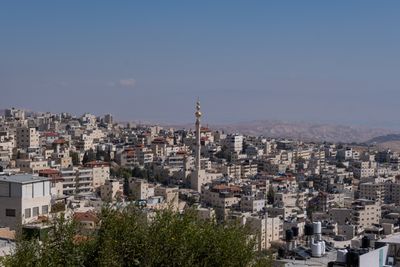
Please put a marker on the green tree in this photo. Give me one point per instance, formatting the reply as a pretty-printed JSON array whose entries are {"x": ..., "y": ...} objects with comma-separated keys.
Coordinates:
[
  {"x": 75, "y": 158},
  {"x": 271, "y": 195},
  {"x": 88, "y": 156},
  {"x": 127, "y": 238}
]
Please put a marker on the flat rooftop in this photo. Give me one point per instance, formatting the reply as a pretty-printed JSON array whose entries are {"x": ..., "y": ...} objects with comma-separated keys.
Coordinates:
[
  {"x": 393, "y": 239},
  {"x": 22, "y": 178}
]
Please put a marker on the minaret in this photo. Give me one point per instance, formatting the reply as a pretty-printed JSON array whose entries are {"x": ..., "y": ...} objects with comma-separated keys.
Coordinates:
[
  {"x": 198, "y": 144},
  {"x": 197, "y": 177}
]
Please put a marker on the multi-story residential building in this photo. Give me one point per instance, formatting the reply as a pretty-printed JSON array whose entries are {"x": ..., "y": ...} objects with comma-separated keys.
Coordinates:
[
  {"x": 27, "y": 138},
  {"x": 100, "y": 171},
  {"x": 252, "y": 204},
  {"x": 234, "y": 143},
  {"x": 13, "y": 113},
  {"x": 31, "y": 166},
  {"x": 127, "y": 157},
  {"x": 140, "y": 189},
  {"x": 373, "y": 191},
  {"x": 266, "y": 229},
  {"x": 221, "y": 196},
  {"x": 366, "y": 213},
  {"x": 111, "y": 190},
  {"x": 232, "y": 170},
  {"x": 362, "y": 169},
  {"x": 77, "y": 180},
  {"x": 362, "y": 213}
]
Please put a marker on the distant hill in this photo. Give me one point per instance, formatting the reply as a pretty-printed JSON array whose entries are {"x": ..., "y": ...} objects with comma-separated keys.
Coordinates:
[
  {"x": 310, "y": 131},
  {"x": 389, "y": 141},
  {"x": 304, "y": 131},
  {"x": 384, "y": 138}
]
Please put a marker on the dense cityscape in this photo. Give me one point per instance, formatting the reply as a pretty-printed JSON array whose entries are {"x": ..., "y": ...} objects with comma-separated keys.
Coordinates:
[
  {"x": 300, "y": 201},
  {"x": 199, "y": 133}
]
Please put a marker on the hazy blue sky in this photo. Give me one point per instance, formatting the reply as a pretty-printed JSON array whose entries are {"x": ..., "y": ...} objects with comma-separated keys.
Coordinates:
[{"x": 323, "y": 61}]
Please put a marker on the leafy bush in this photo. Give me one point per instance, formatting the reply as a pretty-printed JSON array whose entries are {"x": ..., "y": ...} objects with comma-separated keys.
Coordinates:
[{"x": 127, "y": 238}]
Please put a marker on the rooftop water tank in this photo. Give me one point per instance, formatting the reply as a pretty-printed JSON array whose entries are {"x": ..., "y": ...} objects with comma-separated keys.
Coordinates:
[
  {"x": 341, "y": 255},
  {"x": 365, "y": 242},
  {"x": 352, "y": 258},
  {"x": 295, "y": 230},
  {"x": 316, "y": 249},
  {"x": 308, "y": 229},
  {"x": 317, "y": 228},
  {"x": 289, "y": 235}
]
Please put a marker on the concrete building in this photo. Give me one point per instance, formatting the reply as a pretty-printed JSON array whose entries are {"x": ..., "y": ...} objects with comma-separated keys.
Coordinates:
[
  {"x": 140, "y": 189},
  {"x": 23, "y": 199},
  {"x": 77, "y": 180},
  {"x": 266, "y": 230},
  {"x": 27, "y": 138},
  {"x": 234, "y": 143},
  {"x": 13, "y": 113},
  {"x": 362, "y": 213},
  {"x": 111, "y": 190},
  {"x": 100, "y": 171}
]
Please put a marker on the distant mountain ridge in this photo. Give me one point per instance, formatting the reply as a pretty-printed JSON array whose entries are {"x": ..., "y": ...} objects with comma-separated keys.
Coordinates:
[
  {"x": 304, "y": 131},
  {"x": 384, "y": 138}
]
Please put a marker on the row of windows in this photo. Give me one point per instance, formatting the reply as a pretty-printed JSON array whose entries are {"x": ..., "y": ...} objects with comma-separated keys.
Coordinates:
[{"x": 35, "y": 211}]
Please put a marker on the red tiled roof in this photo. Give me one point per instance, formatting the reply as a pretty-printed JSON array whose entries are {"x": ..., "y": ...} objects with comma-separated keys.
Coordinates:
[
  {"x": 49, "y": 171},
  {"x": 96, "y": 163},
  {"x": 50, "y": 134},
  {"x": 86, "y": 216},
  {"x": 59, "y": 141}
]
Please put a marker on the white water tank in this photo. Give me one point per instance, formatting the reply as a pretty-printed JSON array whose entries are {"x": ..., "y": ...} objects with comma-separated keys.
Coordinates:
[
  {"x": 323, "y": 247},
  {"x": 316, "y": 249},
  {"x": 341, "y": 255},
  {"x": 317, "y": 228}
]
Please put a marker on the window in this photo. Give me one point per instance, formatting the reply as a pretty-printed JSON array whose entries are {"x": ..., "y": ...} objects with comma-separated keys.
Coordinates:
[
  {"x": 35, "y": 211},
  {"x": 27, "y": 213},
  {"x": 45, "y": 209},
  {"x": 10, "y": 212}
]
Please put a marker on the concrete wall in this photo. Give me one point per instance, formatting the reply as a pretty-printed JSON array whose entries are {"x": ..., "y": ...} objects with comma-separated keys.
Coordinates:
[{"x": 375, "y": 258}]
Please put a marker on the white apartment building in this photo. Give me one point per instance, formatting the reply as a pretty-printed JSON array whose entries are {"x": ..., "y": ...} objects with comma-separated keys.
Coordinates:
[
  {"x": 22, "y": 199},
  {"x": 77, "y": 180},
  {"x": 101, "y": 172},
  {"x": 234, "y": 143}
]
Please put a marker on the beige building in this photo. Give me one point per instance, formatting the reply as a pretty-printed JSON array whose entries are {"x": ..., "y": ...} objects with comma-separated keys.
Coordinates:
[
  {"x": 101, "y": 172},
  {"x": 373, "y": 191},
  {"x": 221, "y": 196},
  {"x": 31, "y": 166},
  {"x": 170, "y": 195},
  {"x": 290, "y": 199},
  {"x": 23, "y": 199},
  {"x": 266, "y": 230},
  {"x": 363, "y": 213},
  {"x": 27, "y": 137},
  {"x": 77, "y": 180},
  {"x": 140, "y": 189},
  {"x": 111, "y": 190},
  {"x": 382, "y": 192}
]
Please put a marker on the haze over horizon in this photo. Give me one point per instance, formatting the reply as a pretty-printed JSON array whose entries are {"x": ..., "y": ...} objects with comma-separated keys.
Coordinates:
[{"x": 310, "y": 61}]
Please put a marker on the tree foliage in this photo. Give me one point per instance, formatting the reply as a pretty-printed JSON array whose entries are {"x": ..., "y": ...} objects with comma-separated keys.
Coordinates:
[
  {"x": 75, "y": 158},
  {"x": 271, "y": 195},
  {"x": 89, "y": 156},
  {"x": 127, "y": 238}
]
